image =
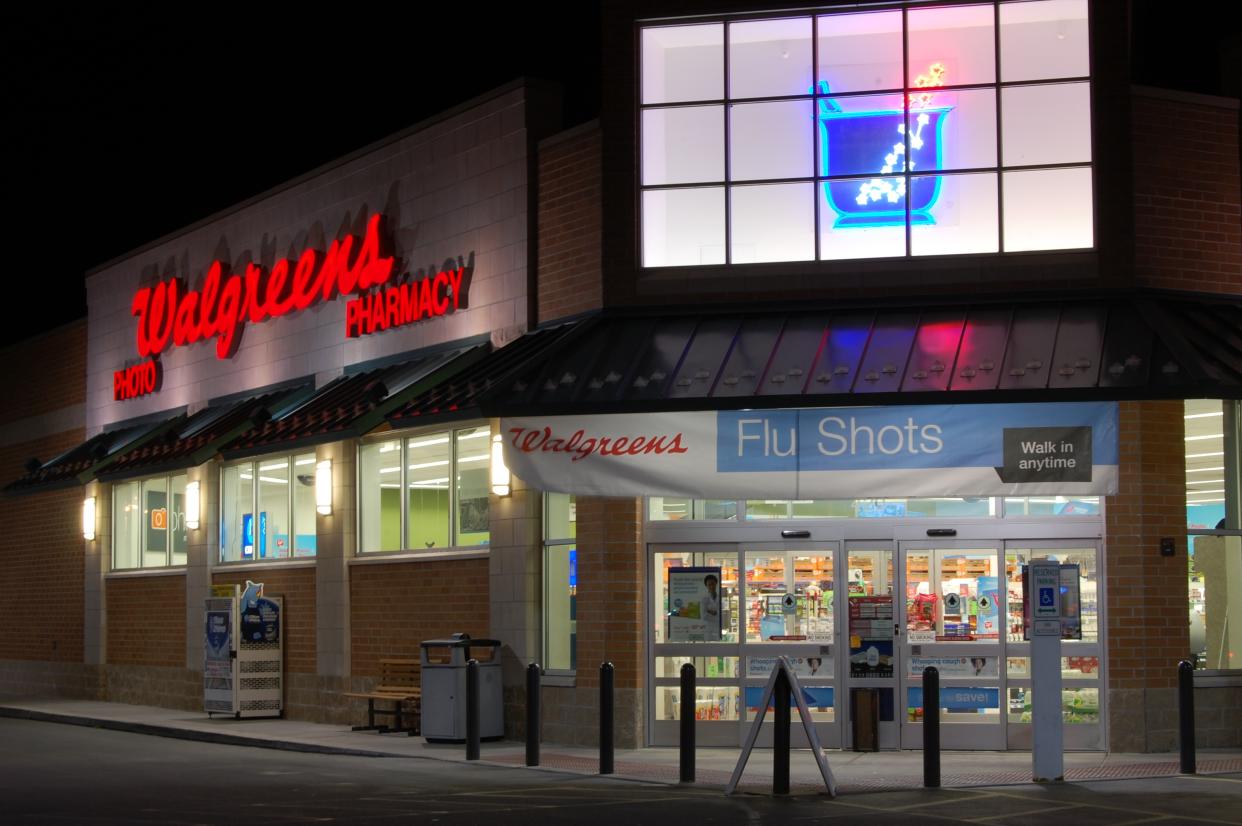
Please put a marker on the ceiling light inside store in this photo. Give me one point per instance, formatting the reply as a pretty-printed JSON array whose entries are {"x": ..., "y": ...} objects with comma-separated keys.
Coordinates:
[
  {"x": 481, "y": 457},
  {"x": 1203, "y": 415},
  {"x": 1203, "y": 469},
  {"x": 1203, "y": 455},
  {"x": 273, "y": 480},
  {"x": 421, "y": 465},
  {"x": 440, "y": 440},
  {"x": 478, "y": 434},
  {"x": 275, "y": 466},
  {"x": 1202, "y": 438}
]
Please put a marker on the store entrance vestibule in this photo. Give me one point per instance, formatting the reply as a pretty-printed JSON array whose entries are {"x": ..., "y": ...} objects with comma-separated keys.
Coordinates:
[{"x": 865, "y": 617}]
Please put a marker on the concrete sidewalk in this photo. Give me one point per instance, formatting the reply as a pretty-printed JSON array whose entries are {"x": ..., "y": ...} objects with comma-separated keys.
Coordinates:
[{"x": 854, "y": 772}]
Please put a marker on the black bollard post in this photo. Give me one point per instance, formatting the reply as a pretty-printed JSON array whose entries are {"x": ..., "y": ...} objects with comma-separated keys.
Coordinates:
[
  {"x": 533, "y": 699},
  {"x": 687, "y": 723},
  {"x": 1186, "y": 714},
  {"x": 780, "y": 735},
  {"x": 472, "y": 709},
  {"x": 606, "y": 672},
  {"x": 931, "y": 727}
]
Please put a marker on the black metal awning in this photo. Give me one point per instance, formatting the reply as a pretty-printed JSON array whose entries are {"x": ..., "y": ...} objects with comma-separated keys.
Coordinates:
[{"x": 1077, "y": 347}]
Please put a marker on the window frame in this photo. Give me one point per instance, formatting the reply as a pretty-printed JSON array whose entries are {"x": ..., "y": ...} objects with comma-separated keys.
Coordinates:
[
  {"x": 550, "y": 545},
  {"x": 142, "y": 481},
  {"x": 403, "y": 437},
  {"x": 1231, "y": 438},
  {"x": 819, "y": 261},
  {"x": 254, "y": 462}
]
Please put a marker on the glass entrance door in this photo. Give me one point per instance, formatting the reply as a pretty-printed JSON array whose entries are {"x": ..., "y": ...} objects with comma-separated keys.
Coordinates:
[
  {"x": 775, "y": 600},
  {"x": 953, "y": 620},
  {"x": 869, "y": 643},
  {"x": 790, "y": 607},
  {"x": 1081, "y": 659}
]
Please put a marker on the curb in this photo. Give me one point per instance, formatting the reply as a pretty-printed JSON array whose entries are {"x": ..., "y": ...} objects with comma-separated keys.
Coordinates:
[{"x": 174, "y": 733}]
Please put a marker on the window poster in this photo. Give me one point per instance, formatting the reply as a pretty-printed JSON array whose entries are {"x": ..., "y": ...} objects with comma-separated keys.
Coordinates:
[
  {"x": 871, "y": 636},
  {"x": 694, "y": 605},
  {"x": 218, "y": 663}
]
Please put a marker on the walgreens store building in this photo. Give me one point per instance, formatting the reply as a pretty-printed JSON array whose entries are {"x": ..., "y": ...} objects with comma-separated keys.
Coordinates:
[{"x": 853, "y": 312}]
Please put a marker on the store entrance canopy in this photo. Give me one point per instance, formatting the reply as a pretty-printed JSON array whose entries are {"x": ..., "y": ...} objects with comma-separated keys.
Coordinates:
[
  {"x": 1078, "y": 348},
  {"x": 976, "y": 399}
]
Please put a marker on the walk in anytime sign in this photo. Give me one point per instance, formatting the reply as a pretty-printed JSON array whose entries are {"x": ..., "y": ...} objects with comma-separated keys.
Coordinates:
[{"x": 824, "y": 453}]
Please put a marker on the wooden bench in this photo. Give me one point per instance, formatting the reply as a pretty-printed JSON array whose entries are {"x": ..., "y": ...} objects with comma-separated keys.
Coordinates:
[{"x": 399, "y": 685}]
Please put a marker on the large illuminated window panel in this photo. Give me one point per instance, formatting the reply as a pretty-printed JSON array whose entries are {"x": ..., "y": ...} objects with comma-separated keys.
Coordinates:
[
  {"x": 427, "y": 492},
  {"x": 867, "y": 109},
  {"x": 148, "y": 523},
  {"x": 267, "y": 509}
]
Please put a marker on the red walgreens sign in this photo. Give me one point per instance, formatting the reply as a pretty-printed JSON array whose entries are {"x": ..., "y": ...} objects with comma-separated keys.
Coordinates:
[{"x": 172, "y": 315}]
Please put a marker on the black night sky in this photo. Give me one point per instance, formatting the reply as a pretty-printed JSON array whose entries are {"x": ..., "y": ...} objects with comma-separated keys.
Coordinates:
[{"x": 125, "y": 124}]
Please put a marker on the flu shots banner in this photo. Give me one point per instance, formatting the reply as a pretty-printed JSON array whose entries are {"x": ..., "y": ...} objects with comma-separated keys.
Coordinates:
[{"x": 1067, "y": 448}]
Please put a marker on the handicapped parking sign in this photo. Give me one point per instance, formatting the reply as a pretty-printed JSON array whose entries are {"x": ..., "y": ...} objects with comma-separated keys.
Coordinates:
[{"x": 1047, "y": 580}]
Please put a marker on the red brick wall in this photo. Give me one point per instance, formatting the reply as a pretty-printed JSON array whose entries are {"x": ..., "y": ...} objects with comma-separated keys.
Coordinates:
[
  {"x": 394, "y": 607},
  {"x": 42, "y": 567},
  {"x": 611, "y": 573},
  {"x": 49, "y": 369},
  {"x": 1186, "y": 198},
  {"x": 146, "y": 620},
  {"x": 41, "y": 551},
  {"x": 1147, "y": 628},
  {"x": 569, "y": 224},
  {"x": 297, "y": 587}
]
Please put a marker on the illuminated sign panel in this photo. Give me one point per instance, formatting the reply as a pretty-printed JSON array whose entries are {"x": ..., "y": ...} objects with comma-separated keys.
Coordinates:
[
  {"x": 929, "y": 130},
  {"x": 170, "y": 314}
]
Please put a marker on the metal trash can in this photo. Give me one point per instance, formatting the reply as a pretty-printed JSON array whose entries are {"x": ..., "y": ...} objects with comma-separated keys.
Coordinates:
[
  {"x": 865, "y": 718},
  {"x": 444, "y": 688}
]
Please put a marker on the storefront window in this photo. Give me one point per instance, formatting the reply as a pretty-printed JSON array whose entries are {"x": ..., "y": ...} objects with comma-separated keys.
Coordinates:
[
  {"x": 148, "y": 523},
  {"x": 751, "y": 152},
  {"x": 869, "y": 508},
  {"x": 560, "y": 583},
  {"x": 1214, "y": 537},
  {"x": 445, "y": 478},
  {"x": 267, "y": 509}
]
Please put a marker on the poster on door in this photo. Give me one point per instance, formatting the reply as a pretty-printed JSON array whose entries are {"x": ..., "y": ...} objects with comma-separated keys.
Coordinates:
[
  {"x": 218, "y": 657},
  {"x": 955, "y": 666},
  {"x": 694, "y": 605},
  {"x": 871, "y": 636}
]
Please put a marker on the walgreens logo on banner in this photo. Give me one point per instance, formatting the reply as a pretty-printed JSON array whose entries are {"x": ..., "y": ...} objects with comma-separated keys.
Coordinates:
[
  {"x": 170, "y": 314},
  {"x": 580, "y": 445}
]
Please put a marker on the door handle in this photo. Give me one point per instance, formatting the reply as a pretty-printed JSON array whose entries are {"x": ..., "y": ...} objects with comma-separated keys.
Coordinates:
[{"x": 896, "y": 630}]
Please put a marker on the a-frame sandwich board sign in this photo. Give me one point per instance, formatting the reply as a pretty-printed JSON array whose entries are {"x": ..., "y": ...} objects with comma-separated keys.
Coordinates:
[{"x": 821, "y": 760}]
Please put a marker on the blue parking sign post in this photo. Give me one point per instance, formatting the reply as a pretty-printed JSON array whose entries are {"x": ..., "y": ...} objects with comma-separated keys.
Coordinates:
[{"x": 1047, "y": 747}]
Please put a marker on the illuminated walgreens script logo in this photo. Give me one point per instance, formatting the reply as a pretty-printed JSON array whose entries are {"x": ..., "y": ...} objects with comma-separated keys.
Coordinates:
[
  {"x": 854, "y": 141},
  {"x": 172, "y": 315},
  {"x": 580, "y": 445}
]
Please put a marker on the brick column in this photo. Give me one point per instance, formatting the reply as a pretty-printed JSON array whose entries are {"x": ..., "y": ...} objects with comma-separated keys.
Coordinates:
[
  {"x": 1147, "y": 598},
  {"x": 611, "y": 576}
]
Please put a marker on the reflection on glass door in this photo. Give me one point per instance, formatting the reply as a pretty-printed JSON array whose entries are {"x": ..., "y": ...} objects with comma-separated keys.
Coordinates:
[
  {"x": 1080, "y": 659},
  {"x": 872, "y": 652},
  {"x": 954, "y": 609},
  {"x": 717, "y": 700},
  {"x": 790, "y": 610}
]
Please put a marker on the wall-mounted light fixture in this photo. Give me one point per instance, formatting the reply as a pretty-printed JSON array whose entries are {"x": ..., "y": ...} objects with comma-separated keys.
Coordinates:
[
  {"x": 500, "y": 473},
  {"x": 323, "y": 487},
  {"x": 88, "y": 518},
  {"x": 193, "y": 512}
]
